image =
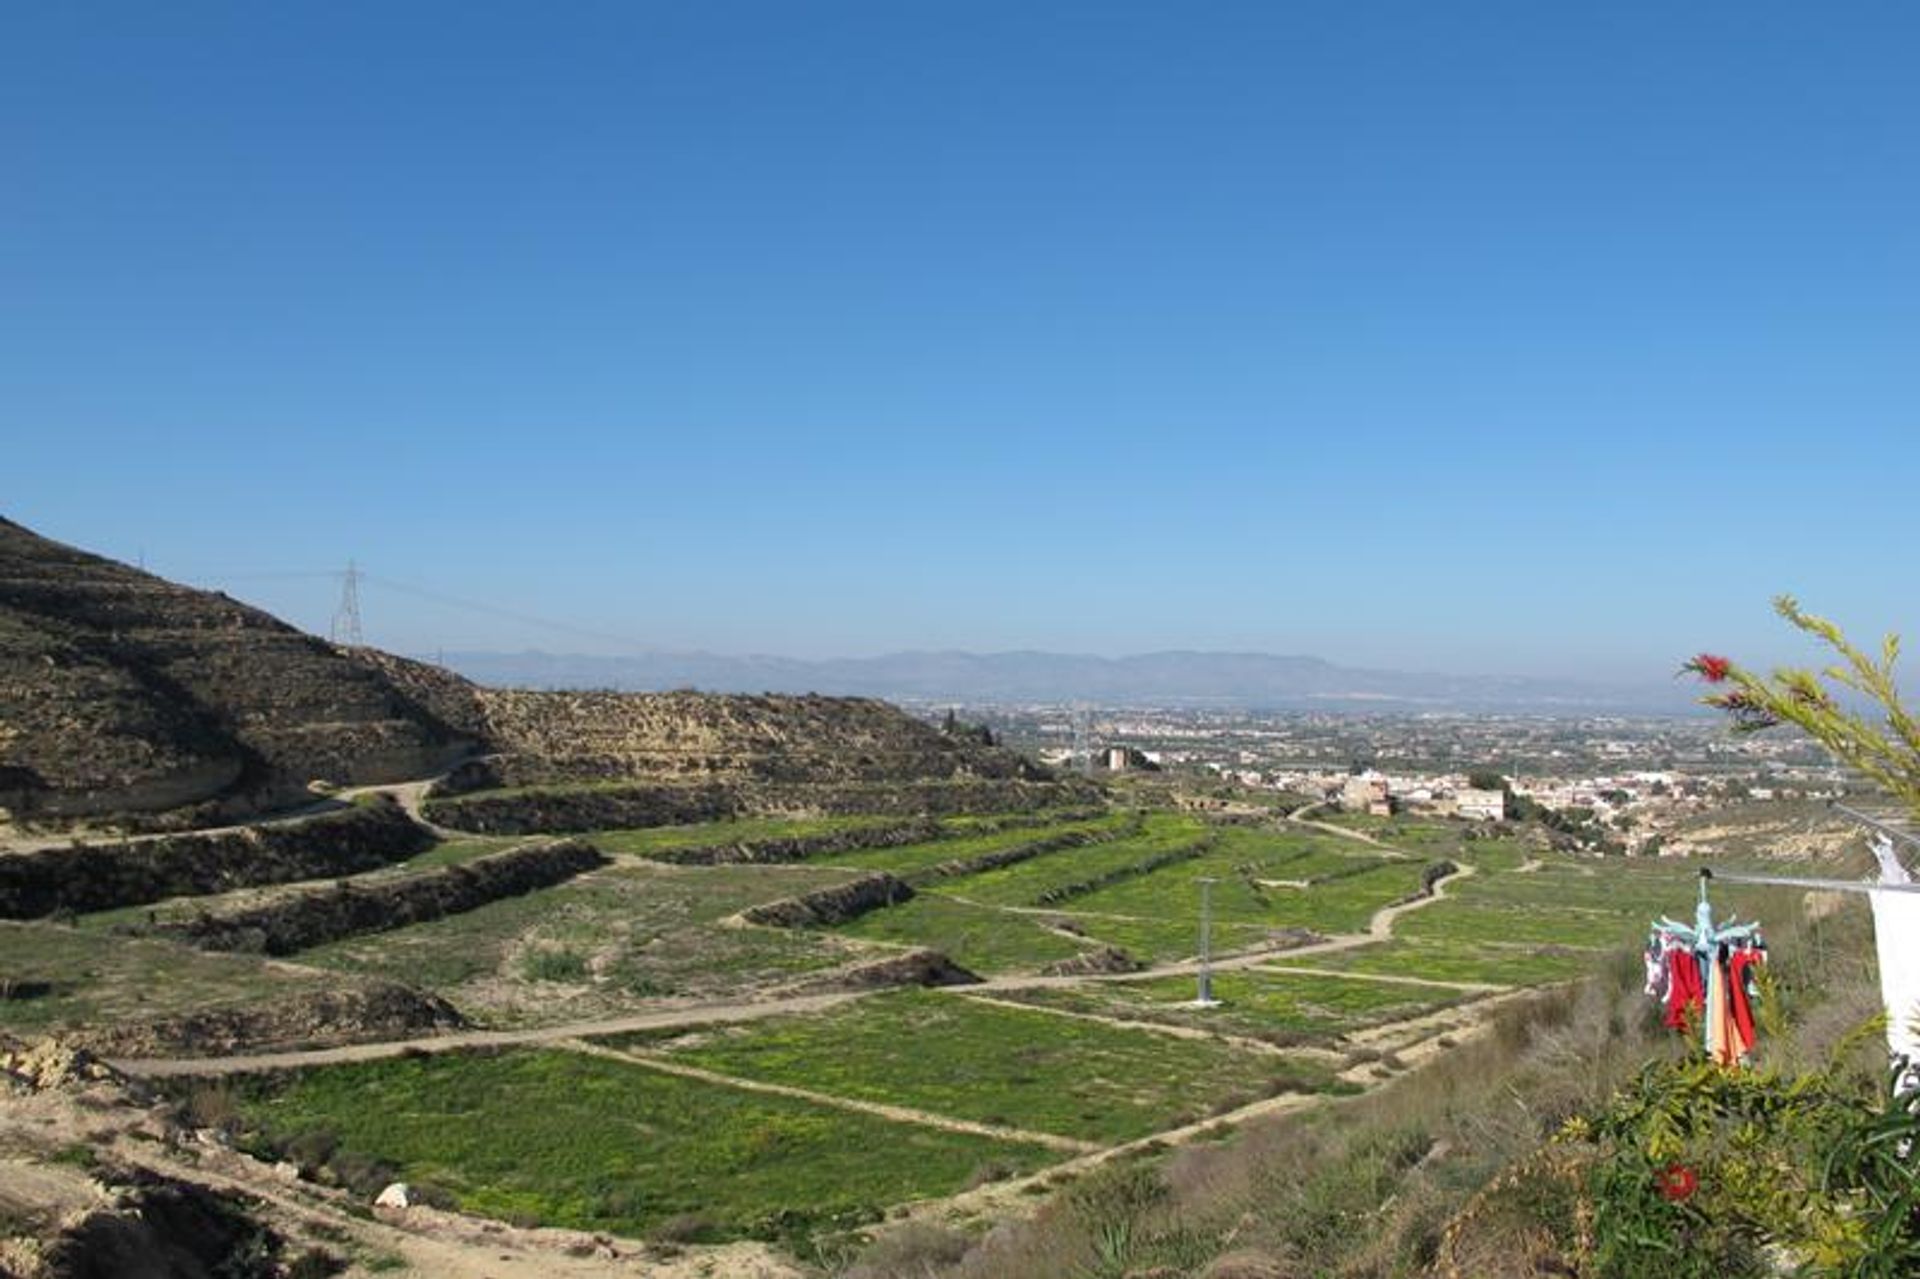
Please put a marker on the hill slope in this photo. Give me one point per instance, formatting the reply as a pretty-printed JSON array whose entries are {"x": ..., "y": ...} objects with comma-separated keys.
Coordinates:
[{"x": 121, "y": 691}]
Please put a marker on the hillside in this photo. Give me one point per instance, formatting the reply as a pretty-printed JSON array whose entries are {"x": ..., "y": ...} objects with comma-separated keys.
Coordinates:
[{"x": 122, "y": 693}]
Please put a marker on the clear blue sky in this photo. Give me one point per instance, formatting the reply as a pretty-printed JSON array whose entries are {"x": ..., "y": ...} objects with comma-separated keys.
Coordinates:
[{"x": 1523, "y": 337}]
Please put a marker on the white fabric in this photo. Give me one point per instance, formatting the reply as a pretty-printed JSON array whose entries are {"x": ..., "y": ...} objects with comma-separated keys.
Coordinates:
[
  {"x": 1896, "y": 936},
  {"x": 1891, "y": 871}
]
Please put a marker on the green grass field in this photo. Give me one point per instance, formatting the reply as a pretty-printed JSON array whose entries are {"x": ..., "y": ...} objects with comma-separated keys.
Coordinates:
[
  {"x": 565, "y": 1139},
  {"x": 1500, "y": 964},
  {"x": 89, "y": 979},
  {"x": 910, "y": 860},
  {"x": 568, "y": 1138},
  {"x": 993, "y": 1064},
  {"x": 1026, "y": 883},
  {"x": 981, "y": 938},
  {"x": 640, "y": 930},
  {"x": 1286, "y": 1007}
]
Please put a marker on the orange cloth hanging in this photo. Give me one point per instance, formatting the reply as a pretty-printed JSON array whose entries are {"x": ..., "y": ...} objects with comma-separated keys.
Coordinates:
[{"x": 1723, "y": 1036}]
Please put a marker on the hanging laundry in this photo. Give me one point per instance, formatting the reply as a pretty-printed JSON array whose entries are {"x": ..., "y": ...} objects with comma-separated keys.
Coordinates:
[
  {"x": 1686, "y": 998},
  {"x": 1704, "y": 977},
  {"x": 1745, "y": 990}
]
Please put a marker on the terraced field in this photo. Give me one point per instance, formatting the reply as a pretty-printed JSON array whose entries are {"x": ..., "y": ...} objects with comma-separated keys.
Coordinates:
[
  {"x": 576, "y": 1140},
  {"x": 993, "y": 1064},
  {"x": 640, "y": 1060}
]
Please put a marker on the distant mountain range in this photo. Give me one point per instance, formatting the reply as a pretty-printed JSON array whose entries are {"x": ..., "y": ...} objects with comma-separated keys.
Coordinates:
[{"x": 1238, "y": 680}]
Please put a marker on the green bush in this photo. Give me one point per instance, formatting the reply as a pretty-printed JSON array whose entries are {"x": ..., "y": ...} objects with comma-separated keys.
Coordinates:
[{"x": 1702, "y": 1171}]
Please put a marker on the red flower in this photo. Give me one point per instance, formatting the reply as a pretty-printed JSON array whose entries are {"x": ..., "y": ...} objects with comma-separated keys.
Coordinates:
[
  {"x": 1711, "y": 668},
  {"x": 1677, "y": 1182}
]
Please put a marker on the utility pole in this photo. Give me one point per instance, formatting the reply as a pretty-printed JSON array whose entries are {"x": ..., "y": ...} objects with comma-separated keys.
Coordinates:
[
  {"x": 1205, "y": 997},
  {"x": 346, "y": 618}
]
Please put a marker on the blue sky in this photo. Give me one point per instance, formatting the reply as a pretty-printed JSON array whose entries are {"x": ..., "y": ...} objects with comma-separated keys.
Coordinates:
[{"x": 1490, "y": 337}]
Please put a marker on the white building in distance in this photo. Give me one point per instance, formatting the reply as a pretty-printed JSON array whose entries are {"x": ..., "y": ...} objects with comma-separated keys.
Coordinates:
[{"x": 1480, "y": 805}]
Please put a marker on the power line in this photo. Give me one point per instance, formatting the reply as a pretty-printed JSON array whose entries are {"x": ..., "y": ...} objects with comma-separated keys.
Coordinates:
[
  {"x": 353, "y": 576},
  {"x": 514, "y": 615}
]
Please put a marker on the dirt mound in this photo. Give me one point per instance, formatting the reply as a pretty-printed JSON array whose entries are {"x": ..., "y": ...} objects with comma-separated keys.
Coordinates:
[
  {"x": 379, "y": 1010},
  {"x": 125, "y": 692},
  {"x": 1244, "y": 1264},
  {"x": 831, "y": 906}
]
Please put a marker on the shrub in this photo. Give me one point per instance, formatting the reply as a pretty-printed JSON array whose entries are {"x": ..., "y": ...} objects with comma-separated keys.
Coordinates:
[
  {"x": 1702, "y": 1171},
  {"x": 554, "y": 965}
]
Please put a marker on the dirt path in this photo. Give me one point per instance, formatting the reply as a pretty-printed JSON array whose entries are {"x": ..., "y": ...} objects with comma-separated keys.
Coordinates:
[
  {"x": 1380, "y": 927},
  {"x": 1021, "y": 1196},
  {"x": 1398, "y": 1036},
  {"x": 411, "y": 796},
  {"x": 693, "y": 1015},
  {"x": 1299, "y": 818},
  {"x": 1391, "y": 979},
  {"x": 1169, "y": 1029},
  {"x": 899, "y": 1114}
]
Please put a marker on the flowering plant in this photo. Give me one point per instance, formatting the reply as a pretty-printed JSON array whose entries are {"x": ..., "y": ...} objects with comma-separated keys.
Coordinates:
[
  {"x": 1888, "y": 751},
  {"x": 1677, "y": 1182}
]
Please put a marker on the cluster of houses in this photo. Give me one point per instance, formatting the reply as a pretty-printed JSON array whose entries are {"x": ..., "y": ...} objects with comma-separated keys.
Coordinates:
[{"x": 1372, "y": 792}]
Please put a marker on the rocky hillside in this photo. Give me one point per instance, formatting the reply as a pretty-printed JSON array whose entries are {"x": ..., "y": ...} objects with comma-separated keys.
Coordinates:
[
  {"x": 122, "y": 692},
  {"x": 537, "y": 737}
]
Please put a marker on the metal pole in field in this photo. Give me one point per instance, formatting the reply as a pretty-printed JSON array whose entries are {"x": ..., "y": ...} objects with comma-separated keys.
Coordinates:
[{"x": 1205, "y": 996}]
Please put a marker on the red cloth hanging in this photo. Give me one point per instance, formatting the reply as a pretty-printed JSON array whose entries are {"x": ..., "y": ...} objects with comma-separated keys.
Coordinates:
[
  {"x": 1686, "y": 995},
  {"x": 1742, "y": 1007}
]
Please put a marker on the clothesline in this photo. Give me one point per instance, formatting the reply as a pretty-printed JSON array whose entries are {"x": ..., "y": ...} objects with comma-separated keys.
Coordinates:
[
  {"x": 1896, "y": 933},
  {"x": 1830, "y": 885}
]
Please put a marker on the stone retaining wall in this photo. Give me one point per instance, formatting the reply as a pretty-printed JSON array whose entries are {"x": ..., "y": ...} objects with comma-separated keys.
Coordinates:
[
  {"x": 348, "y": 909},
  {"x": 93, "y": 877},
  {"x": 830, "y": 906}
]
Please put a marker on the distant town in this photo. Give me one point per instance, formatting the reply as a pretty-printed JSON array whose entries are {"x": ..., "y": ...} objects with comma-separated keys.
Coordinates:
[{"x": 1618, "y": 784}]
